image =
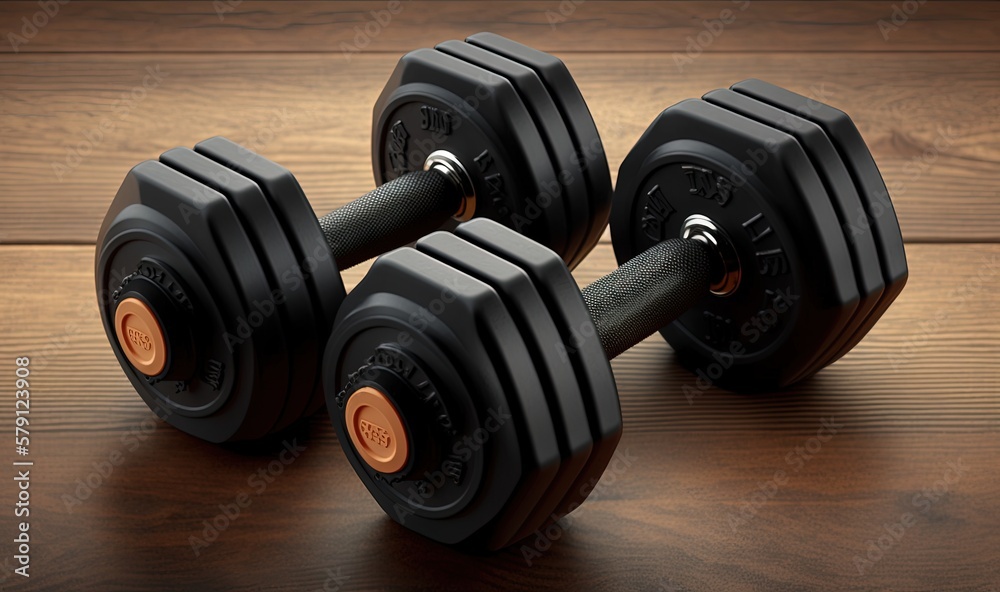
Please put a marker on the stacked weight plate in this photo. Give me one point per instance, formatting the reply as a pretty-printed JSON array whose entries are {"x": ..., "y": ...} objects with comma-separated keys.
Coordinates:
[
  {"x": 539, "y": 343},
  {"x": 311, "y": 280},
  {"x": 870, "y": 227},
  {"x": 792, "y": 184},
  {"x": 856, "y": 190},
  {"x": 255, "y": 293},
  {"x": 564, "y": 201},
  {"x": 576, "y": 355}
]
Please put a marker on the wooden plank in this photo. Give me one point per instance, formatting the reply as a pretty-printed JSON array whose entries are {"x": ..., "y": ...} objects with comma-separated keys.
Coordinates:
[
  {"x": 928, "y": 365},
  {"x": 349, "y": 27},
  {"x": 685, "y": 514},
  {"x": 695, "y": 503},
  {"x": 938, "y": 152}
]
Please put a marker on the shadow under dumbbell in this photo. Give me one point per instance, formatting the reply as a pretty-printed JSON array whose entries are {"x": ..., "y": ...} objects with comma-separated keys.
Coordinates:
[
  {"x": 658, "y": 394},
  {"x": 274, "y": 443},
  {"x": 576, "y": 560}
]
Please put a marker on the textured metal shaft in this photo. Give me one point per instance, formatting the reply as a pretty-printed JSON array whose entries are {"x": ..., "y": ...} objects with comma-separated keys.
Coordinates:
[
  {"x": 392, "y": 215},
  {"x": 647, "y": 292}
]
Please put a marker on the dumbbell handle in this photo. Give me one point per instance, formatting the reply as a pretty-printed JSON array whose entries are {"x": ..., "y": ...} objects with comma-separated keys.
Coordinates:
[
  {"x": 648, "y": 292},
  {"x": 394, "y": 214}
]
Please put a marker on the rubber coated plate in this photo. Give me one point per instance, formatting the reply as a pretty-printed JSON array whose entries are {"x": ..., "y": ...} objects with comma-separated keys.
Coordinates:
[
  {"x": 579, "y": 121},
  {"x": 572, "y": 197},
  {"x": 578, "y": 342},
  {"x": 457, "y": 326},
  {"x": 559, "y": 385},
  {"x": 316, "y": 272},
  {"x": 290, "y": 310},
  {"x": 878, "y": 215},
  {"x": 530, "y": 409},
  {"x": 193, "y": 236},
  {"x": 759, "y": 186},
  {"x": 434, "y": 101},
  {"x": 841, "y": 189}
]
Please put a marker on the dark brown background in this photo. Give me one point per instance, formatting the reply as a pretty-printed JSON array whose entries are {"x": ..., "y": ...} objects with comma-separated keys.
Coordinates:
[{"x": 919, "y": 393}]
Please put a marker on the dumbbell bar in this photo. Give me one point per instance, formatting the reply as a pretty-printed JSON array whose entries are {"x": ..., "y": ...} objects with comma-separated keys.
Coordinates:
[
  {"x": 229, "y": 284},
  {"x": 440, "y": 340}
]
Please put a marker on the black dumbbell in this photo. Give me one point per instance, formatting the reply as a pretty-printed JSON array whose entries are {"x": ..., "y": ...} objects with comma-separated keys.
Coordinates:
[
  {"x": 468, "y": 377},
  {"x": 219, "y": 287}
]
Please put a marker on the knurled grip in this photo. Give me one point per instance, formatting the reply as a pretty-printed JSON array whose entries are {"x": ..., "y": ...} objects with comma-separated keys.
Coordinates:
[
  {"x": 392, "y": 215},
  {"x": 648, "y": 292}
]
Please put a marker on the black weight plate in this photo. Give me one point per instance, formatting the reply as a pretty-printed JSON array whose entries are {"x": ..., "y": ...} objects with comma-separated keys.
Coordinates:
[
  {"x": 578, "y": 342},
  {"x": 291, "y": 310},
  {"x": 564, "y": 91},
  {"x": 191, "y": 239},
  {"x": 559, "y": 385},
  {"x": 316, "y": 271},
  {"x": 797, "y": 282},
  {"x": 571, "y": 196},
  {"x": 434, "y": 101},
  {"x": 840, "y": 187},
  {"x": 877, "y": 214},
  {"x": 460, "y": 331}
]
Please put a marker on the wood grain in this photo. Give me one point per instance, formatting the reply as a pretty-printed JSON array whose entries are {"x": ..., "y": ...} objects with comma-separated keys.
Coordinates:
[
  {"x": 698, "y": 502},
  {"x": 938, "y": 153},
  {"x": 663, "y": 523},
  {"x": 248, "y": 26},
  {"x": 681, "y": 515}
]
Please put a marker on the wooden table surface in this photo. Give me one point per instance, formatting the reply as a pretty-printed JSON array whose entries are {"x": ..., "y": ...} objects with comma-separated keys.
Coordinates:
[{"x": 699, "y": 505}]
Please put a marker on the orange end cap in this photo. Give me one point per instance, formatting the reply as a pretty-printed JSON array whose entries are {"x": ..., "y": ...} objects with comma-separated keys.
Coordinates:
[
  {"x": 141, "y": 336},
  {"x": 377, "y": 431}
]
